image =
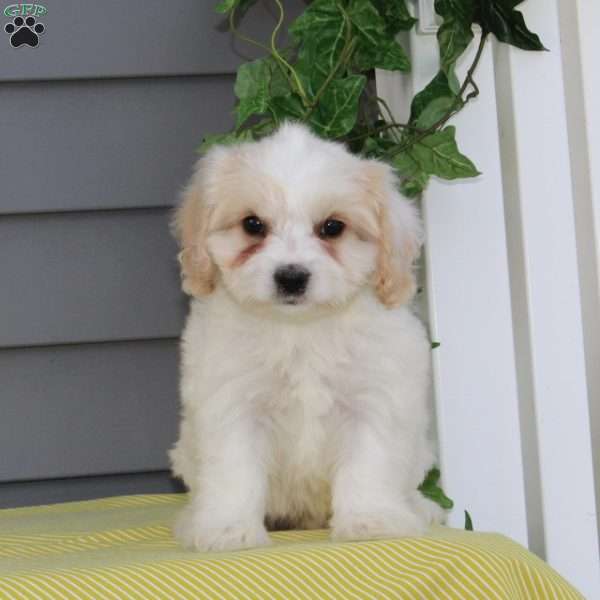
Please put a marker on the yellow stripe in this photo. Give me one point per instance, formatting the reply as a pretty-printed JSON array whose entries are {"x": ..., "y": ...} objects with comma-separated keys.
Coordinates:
[
  {"x": 421, "y": 574},
  {"x": 122, "y": 549}
]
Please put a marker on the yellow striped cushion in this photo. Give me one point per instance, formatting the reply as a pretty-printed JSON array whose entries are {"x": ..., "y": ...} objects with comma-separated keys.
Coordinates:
[{"x": 123, "y": 548}]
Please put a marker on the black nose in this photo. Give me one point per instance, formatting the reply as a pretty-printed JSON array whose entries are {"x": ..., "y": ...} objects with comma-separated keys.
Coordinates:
[{"x": 291, "y": 280}]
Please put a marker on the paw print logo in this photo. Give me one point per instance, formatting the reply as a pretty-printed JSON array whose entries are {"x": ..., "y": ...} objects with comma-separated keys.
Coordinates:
[{"x": 24, "y": 31}]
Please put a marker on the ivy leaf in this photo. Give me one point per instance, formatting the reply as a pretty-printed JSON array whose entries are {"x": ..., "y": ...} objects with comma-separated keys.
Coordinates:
[
  {"x": 264, "y": 127},
  {"x": 376, "y": 146},
  {"x": 468, "y": 521},
  {"x": 414, "y": 177},
  {"x": 337, "y": 111},
  {"x": 226, "y": 6},
  {"x": 256, "y": 84},
  {"x": 224, "y": 139},
  {"x": 441, "y": 86},
  {"x": 395, "y": 14},
  {"x": 454, "y": 36},
  {"x": 435, "y": 345},
  {"x": 460, "y": 9},
  {"x": 288, "y": 107},
  {"x": 321, "y": 33},
  {"x": 435, "y": 154},
  {"x": 376, "y": 47},
  {"x": 438, "y": 154},
  {"x": 321, "y": 15},
  {"x": 246, "y": 108},
  {"x": 413, "y": 186},
  {"x": 455, "y": 33},
  {"x": 388, "y": 55},
  {"x": 435, "y": 111},
  {"x": 507, "y": 24},
  {"x": 430, "y": 489},
  {"x": 367, "y": 21}
]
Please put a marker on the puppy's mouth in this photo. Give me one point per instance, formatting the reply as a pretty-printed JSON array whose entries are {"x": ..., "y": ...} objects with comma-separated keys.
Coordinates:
[{"x": 291, "y": 301}]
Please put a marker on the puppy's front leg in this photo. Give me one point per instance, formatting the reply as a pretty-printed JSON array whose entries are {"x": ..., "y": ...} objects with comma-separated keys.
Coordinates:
[
  {"x": 227, "y": 497},
  {"x": 372, "y": 485}
]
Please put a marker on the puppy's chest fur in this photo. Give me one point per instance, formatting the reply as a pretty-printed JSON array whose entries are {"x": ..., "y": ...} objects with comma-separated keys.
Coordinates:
[
  {"x": 300, "y": 412},
  {"x": 304, "y": 386}
]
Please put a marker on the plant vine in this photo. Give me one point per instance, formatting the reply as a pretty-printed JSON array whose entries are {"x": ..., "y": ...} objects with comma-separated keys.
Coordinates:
[{"x": 324, "y": 77}]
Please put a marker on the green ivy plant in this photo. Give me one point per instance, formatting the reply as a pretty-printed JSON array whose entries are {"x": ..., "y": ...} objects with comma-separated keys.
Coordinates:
[{"x": 324, "y": 77}]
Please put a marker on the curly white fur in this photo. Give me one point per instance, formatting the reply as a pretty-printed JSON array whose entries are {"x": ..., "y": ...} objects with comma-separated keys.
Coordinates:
[{"x": 311, "y": 413}]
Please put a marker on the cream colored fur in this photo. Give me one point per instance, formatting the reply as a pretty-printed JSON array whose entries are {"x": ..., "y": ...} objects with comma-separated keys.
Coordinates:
[{"x": 312, "y": 413}]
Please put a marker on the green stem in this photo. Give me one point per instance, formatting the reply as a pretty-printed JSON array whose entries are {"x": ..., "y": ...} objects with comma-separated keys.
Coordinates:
[
  {"x": 237, "y": 33},
  {"x": 345, "y": 55},
  {"x": 382, "y": 102},
  {"x": 343, "y": 61},
  {"x": 377, "y": 130},
  {"x": 458, "y": 106},
  {"x": 280, "y": 59}
]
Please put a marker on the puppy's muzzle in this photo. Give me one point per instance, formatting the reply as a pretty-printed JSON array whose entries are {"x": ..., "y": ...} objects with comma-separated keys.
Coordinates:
[{"x": 291, "y": 280}]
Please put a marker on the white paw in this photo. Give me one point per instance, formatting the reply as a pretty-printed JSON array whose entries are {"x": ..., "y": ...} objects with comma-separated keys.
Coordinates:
[
  {"x": 377, "y": 524},
  {"x": 195, "y": 532}
]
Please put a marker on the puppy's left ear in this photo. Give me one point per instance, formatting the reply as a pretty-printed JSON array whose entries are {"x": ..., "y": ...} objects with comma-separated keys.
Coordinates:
[{"x": 400, "y": 236}]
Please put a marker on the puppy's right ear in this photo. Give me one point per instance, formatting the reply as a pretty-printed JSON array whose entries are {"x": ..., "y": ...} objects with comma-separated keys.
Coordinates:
[{"x": 190, "y": 226}]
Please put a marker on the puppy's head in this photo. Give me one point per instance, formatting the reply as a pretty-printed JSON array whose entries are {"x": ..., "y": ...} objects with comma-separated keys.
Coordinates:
[{"x": 295, "y": 222}]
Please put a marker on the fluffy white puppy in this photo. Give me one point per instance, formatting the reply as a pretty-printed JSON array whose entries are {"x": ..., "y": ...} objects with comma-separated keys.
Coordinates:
[{"x": 304, "y": 373}]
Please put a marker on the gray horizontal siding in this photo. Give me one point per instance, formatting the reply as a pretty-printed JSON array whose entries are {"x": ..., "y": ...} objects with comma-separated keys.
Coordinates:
[
  {"x": 98, "y": 130},
  {"x": 80, "y": 277},
  {"x": 135, "y": 38},
  {"x": 29, "y": 493},
  {"x": 87, "y": 409},
  {"x": 105, "y": 144}
]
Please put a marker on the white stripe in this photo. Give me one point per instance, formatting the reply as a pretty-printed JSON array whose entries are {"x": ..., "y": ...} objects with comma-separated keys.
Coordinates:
[
  {"x": 211, "y": 565},
  {"x": 460, "y": 552},
  {"x": 419, "y": 571},
  {"x": 94, "y": 576},
  {"x": 279, "y": 561},
  {"x": 22, "y": 584},
  {"x": 296, "y": 561},
  {"x": 193, "y": 571},
  {"x": 53, "y": 581},
  {"x": 384, "y": 566},
  {"x": 163, "y": 574}
]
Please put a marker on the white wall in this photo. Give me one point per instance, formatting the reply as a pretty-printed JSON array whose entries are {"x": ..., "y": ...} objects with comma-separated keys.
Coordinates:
[{"x": 513, "y": 288}]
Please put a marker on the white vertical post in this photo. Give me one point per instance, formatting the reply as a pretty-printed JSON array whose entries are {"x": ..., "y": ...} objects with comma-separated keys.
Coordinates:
[
  {"x": 540, "y": 207},
  {"x": 470, "y": 315},
  {"x": 580, "y": 31}
]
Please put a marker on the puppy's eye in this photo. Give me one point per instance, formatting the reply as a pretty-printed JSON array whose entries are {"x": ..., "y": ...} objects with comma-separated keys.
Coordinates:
[
  {"x": 254, "y": 226},
  {"x": 332, "y": 228}
]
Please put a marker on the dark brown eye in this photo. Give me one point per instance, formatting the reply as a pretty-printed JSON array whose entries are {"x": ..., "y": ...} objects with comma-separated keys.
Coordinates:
[
  {"x": 331, "y": 228},
  {"x": 254, "y": 226}
]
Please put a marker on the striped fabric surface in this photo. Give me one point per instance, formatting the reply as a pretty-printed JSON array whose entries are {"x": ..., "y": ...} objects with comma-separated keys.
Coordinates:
[{"x": 123, "y": 548}]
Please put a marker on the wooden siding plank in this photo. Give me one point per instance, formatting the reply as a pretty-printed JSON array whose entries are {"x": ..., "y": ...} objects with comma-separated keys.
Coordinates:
[
  {"x": 50, "y": 491},
  {"x": 87, "y": 409},
  {"x": 105, "y": 144},
  {"x": 76, "y": 277}
]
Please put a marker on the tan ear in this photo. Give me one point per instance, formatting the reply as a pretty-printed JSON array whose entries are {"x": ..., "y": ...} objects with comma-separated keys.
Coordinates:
[
  {"x": 190, "y": 225},
  {"x": 399, "y": 239}
]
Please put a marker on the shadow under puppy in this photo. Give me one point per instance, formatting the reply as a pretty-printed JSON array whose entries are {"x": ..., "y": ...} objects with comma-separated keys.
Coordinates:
[{"x": 304, "y": 373}]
